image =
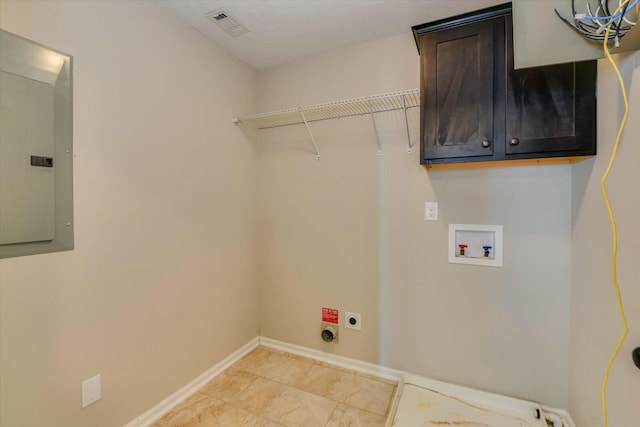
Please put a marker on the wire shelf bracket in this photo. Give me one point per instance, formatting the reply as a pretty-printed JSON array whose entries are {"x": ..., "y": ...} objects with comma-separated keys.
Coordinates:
[
  {"x": 313, "y": 140},
  {"x": 375, "y": 128},
  {"x": 370, "y": 105},
  {"x": 406, "y": 122}
]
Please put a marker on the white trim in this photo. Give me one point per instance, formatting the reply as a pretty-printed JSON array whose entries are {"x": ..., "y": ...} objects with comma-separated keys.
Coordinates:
[
  {"x": 394, "y": 404},
  {"x": 472, "y": 395},
  {"x": 567, "y": 421},
  {"x": 341, "y": 361},
  {"x": 156, "y": 412},
  {"x": 477, "y": 396}
]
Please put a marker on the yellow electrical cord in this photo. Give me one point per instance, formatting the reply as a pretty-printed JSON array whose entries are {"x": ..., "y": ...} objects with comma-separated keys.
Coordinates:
[{"x": 614, "y": 230}]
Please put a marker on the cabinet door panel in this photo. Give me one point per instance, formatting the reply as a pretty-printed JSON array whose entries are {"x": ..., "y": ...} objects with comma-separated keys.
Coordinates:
[
  {"x": 457, "y": 91},
  {"x": 551, "y": 109},
  {"x": 545, "y": 103}
]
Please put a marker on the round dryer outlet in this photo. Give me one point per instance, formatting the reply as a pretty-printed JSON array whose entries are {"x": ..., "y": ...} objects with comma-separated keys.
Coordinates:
[{"x": 352, "y": 320}]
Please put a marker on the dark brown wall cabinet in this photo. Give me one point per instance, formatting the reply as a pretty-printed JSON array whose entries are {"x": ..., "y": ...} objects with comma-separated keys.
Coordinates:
[{"x": 475, "y": 107}]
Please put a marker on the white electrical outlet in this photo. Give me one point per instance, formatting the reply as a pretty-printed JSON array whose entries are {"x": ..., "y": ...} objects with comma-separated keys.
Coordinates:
[
  {"x": 431, "y": 211},
  {"x": 91, "y": 391},
  {"x": 352, "y": 320}
]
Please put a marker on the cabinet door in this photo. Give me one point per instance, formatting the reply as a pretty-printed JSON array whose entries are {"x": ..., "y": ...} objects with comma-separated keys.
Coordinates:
[
  {"x": 457, "y": 75},
  {"x": 551, "y": 110}
]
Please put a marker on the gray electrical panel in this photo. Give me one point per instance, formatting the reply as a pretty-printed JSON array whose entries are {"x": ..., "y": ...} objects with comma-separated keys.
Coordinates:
[
  {"x": 36, "y": 156},
  {"x": 27, "y": 212}
]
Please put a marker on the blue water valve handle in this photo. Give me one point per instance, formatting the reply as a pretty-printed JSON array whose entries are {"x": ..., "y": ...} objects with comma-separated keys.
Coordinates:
[{"x": 487, "y": 250}]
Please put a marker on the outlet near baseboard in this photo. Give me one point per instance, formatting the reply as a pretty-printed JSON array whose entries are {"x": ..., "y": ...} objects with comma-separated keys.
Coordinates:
[
  {"x": 352, "y": 320},
  {"x": 91, "y": 390}
]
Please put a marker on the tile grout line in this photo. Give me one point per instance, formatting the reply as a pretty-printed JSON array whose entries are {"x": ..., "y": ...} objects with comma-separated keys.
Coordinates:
[
  {"x": 331, "y": 416},
  {"x": 232, "y": 401},
  {"x": 312, "y": 363},
  {"x": 386, "y": 413},
  {"x": 328, "y": 366}
]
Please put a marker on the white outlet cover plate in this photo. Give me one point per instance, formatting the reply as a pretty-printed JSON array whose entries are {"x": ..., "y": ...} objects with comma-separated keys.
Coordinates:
[
  {"x": 431, "y": 211},
  {"x": 348, "y": 315},
  {"x": 91, "y": 390}
]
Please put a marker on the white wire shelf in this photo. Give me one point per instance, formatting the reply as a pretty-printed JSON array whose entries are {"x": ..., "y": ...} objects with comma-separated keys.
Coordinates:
[
  {"x": 401, "y": 100},
  {"x": 334, "y": 110}
]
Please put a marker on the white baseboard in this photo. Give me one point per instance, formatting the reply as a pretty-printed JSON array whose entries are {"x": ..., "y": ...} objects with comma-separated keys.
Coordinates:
[
  {"x": 156, "y": 412},
  {"x": 341, "y": 361},
  {"x": 394, "y": 404},
  {"x": 567, "y": 421},
  {"x": 473, "y": 395}
]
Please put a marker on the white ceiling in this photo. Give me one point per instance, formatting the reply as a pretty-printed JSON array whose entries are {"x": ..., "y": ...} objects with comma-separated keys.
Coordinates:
[{"x": 282, "y": 31}]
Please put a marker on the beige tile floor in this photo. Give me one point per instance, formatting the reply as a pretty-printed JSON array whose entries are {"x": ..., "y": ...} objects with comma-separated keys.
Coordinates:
[{"x": 268, "y": 388}]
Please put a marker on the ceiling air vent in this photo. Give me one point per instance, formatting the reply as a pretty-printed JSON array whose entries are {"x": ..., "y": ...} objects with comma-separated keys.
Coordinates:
[{"x": 227, "y": 22}]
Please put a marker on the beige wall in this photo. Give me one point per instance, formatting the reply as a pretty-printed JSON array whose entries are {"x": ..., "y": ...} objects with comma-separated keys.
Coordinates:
[
  {"x": 595, "y": 322},
  {"x": 348, "y": 232},
  {"x": 161, "y": 285}
]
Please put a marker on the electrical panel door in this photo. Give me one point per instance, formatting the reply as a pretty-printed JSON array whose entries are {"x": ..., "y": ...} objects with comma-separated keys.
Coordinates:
[{"x": 27, "y": 166}]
